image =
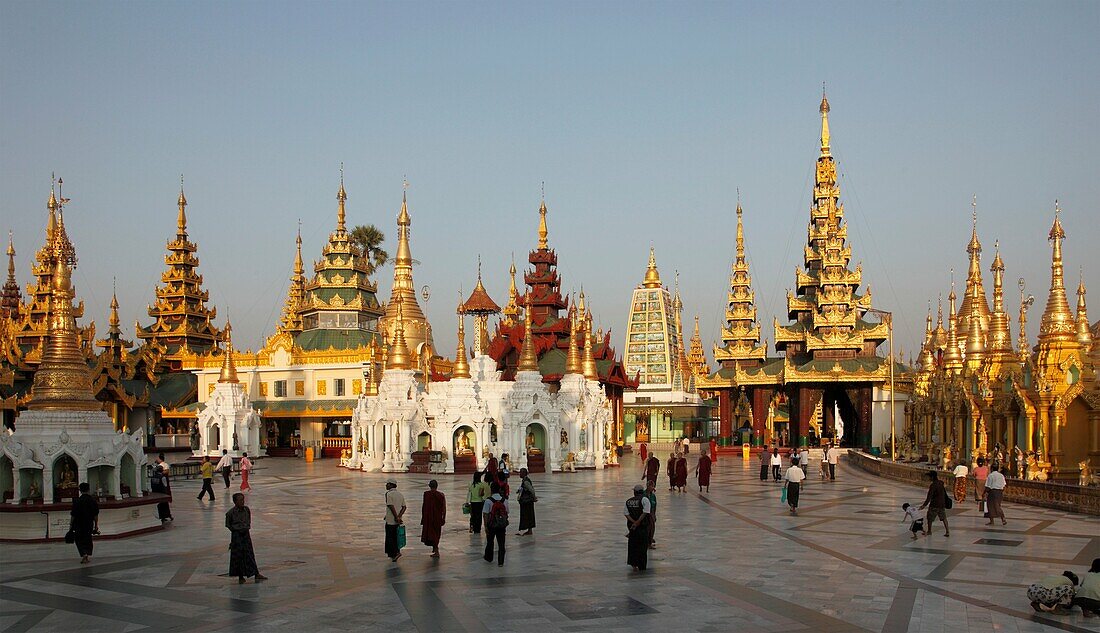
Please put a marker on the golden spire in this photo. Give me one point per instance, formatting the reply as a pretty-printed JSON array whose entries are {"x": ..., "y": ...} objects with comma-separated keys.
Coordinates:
[
  {"x": 461, "y": 367},
  {"x": 113, "y": 320},
  {"x": 11, "y": 257},
  {"x": 542, "y": 225},
  {"x": 291, "y": 320},
  {"x": 975, "y": 344},
  {"x": 528, "y": 361},
  {"x": 1000, "y": 338},
  {"x": 399, "y": 356},
  {"x": 229, "y": 369},
  {"x": 824, "y": 122},
  {"x": 974, "y": 304},
  {"x": 1084, "y": 336},
  {"x": 926, "y": 359},
  {"x": 588, "y": 363},
  {"x": 952, "y": 357},
  {"x": 181, "y": 217},
  {"x": 652, "y": 277},
  {"x": 341, "y": 198},
  {"x": 697, "y": 358},
  {"x": 403, "y": 293},
  {"x": 1057, "y": 322},
  {"x": 63, "y": 379},
  {"x": 511, "y": 311},
  {"x": 741, "y": 334},
  {"x": 573, "y": 362},
  {"x": 51, "y": 206},
  {"x": 740, "y": 231},
  {"x": 299, "y": 267}
]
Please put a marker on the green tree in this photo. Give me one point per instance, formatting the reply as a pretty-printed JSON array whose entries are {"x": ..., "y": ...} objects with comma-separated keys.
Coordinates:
[{"x": 369, "y": 239}]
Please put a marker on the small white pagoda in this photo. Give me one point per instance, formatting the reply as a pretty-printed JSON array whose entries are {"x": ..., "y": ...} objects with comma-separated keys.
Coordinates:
[{"x": 227, "y": 420}]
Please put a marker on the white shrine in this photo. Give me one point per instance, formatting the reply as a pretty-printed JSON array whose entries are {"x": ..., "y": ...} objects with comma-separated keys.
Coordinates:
[
  {"x": 476, "y": 413},
  {"x": 227, "y": 420}
]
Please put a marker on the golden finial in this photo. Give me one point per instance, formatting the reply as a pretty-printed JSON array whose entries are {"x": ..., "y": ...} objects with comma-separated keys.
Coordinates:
[
  {"x": 1058, "y": 321},
  {"x": 740, "y": 232},
  {"x": 652, "y": 277},
  {"x": 341, "y": 198},
  {"x": 113, "y": 320},
  {"x": 299, "y": 267},
  {"x": 824, "y": 122},
  {"x": 1084, "y": 336},
  {"x": 399, "y": 356},
  {"x": 573, "y": 362},
  {"x": 229, "y": 369},
  {"x": 543, "y": 245},
  {"x": 528, "y": 361},
  {"x": 181, "y": 216},
  {"x": 975, "y": 245},
  {"x": 1000, "y": 338},
  {"x": 461, "y": 367},
  {"x": 404, "y": 222},
  {"x": 11, "y": 255},
  {"x": 589, "y": 360}
]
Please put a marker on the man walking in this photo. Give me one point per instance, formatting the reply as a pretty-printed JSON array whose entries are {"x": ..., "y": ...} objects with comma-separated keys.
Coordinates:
[
  {"x": 995, "y": 493},
  {"x": 225, "y": 466},
  {"x": 637, "y": 524},
  {"x": 652, "y": 468},
  {"x": 936, "y": 502},
  {"x": 84, "y": 522},
  {"x": 834, "y": 458},
  {"x": 395, "y": 510},
  {"x": 207, "y": 476}
]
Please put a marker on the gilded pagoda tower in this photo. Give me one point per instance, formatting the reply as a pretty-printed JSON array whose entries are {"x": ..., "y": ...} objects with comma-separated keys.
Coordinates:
[
  {"x": 182, "y": 325},
  {"x": 418, "y": 332},
  {"x": 339, "y": 308},
  {"x": 829, "y": 361},
  {"x": 697, "y": 357},
  {"x": 10, "y": 298}
]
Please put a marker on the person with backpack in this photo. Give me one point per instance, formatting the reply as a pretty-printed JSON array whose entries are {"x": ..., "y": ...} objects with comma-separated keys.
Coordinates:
[
  {"x": 496, "y": 525},
  {"x": 527, "y": 499}
]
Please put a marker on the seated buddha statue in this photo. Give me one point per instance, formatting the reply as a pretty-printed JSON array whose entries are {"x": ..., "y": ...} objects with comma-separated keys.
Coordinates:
[
  {"x": 463, "y": 445},
  {"x": 531, "y": 448},
  {"x": 68, "y": 479}
]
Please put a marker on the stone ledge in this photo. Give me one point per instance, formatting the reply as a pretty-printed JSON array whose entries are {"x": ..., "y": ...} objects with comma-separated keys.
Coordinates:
[{"x": 1059, "y": 496}]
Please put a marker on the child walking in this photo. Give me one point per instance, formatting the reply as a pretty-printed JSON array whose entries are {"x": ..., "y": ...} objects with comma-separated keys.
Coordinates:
[{"x": 916, "y": 523}]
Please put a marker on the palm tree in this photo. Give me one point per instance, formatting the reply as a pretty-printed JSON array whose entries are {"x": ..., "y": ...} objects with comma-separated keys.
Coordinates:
[{"x": 369, "y": 239}]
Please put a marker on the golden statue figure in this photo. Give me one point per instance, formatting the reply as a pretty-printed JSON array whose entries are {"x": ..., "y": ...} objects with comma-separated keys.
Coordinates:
[
  {"x": 464, "y": 445},
  {"x": 531, "y": 448},
  {"x": 68, "y": 479}
]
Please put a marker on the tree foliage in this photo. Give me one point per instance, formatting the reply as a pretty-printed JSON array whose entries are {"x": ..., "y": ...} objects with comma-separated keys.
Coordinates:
[{"x": 369, "y": 238}]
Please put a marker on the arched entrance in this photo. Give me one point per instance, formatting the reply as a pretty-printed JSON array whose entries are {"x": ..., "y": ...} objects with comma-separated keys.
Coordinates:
[
  {"x": 128, "y": 477},
  {"x": 65, "y": 478},
  {"x": 535, "y": 447},
  {"x": 213, "y": 439},
  {"x": 424, "y": 442},
  {"x": 464, "y": 447},
  {"x": 7, "y": 478}
]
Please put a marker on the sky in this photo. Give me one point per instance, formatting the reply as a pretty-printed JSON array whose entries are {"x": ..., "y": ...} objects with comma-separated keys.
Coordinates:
[{"x": 643, "y": 120}]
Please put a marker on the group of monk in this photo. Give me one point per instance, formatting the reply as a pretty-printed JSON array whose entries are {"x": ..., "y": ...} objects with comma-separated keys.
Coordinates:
[{"x": 677, "y": 468}]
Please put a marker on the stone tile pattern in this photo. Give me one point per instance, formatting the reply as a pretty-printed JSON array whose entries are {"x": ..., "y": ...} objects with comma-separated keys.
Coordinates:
[{"x": 733, "y": 559}]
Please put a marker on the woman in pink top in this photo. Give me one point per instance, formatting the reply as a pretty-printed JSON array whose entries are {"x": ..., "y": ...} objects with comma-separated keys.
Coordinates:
[
  {"x": 980, "y": 474},
  {"x": 246, "y": 468}
]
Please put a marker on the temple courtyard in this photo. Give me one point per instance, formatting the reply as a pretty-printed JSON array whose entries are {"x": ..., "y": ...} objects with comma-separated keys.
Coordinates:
[{"x": 730, "y": 560}]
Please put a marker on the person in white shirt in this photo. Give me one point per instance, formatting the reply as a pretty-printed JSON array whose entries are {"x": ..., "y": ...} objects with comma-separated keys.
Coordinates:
[
  {"x": 834, "y": 459},
  {"x": 776, "y": 463},
  {"x": 960, "y": 473},
  {"x": 916, "y": 522},
  {"x": 804, "y": 459},
  {"x": 994, "y": 494},
  {"x": 395, "y": 510},
  {"x": 225, "y": 466},
  {"x": 794, "y": 477}
]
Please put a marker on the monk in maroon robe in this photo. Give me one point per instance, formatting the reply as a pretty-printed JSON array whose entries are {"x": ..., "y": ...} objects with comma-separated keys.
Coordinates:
[
  {"x": 713, "y": 450},
  {"x": 682, "y": 474},
  {"x": 644, "y": 451},
  {"x": 432, "y": 517},
  {"x": 702, "y": 470},
  {"x": 652, "y": 467},
  {"x": 670, "y": 469},
  {"x": 491, "y": 468}
]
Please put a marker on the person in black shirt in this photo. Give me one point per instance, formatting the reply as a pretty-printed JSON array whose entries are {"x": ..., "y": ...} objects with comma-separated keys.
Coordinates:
[
  {"x": 936, "y": 502},
  {"x": 84, "y": 522}
]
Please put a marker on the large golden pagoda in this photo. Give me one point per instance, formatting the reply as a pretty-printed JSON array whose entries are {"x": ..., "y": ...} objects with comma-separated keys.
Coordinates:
[
  {"x": 182, "y": 324},
  {"x": 829, "y": 358}
]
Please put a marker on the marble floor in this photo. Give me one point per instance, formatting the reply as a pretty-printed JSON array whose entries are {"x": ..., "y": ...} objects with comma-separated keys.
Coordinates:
[{"x": 730, "y": 560}]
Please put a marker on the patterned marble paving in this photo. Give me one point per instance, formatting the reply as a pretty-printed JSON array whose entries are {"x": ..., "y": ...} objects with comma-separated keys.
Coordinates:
[{"x": 730, "y": 560}]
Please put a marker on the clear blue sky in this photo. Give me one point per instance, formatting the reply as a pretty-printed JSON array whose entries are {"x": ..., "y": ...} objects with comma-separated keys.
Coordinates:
[{"x": 642, "y": 119}]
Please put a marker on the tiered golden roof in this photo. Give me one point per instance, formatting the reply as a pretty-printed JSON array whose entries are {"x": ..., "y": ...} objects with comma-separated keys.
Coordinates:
[
  {"x": 399, "y": 356},
  {"x": 825, "y": 307},
  {"x": 417, "y": 330},
  {"x": 1000, "y": 337},
  {"x": 1058, "y": 323},
  {"x": 697, "y": 358},
  {"x": 511, "y": 311},
  {"x": 11, "y": 298},
  {"x": 481, "y": 306},
  {"x": 291, "y": 321},
  {"x": 741, "y": 335},
  {"x": 114, "y": 345},
  {"x": 183, "y": 324},
  {"x": 974, "y": 304}
]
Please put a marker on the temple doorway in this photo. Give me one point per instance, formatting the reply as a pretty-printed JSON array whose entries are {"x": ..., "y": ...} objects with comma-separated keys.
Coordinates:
[
  {"x": 535, "y": 447},
  {"x": 464, "y": 445},
  {"x": 842, "y": 429},
  {"x": 424, "y": 441}
]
